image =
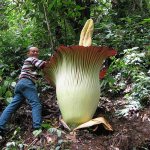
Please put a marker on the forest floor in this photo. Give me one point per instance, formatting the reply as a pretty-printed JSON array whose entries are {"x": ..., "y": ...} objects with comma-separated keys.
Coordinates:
[{"x": 129, "y": 133}]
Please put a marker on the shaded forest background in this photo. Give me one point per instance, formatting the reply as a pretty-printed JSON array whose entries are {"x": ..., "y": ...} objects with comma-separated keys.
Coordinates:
[
  {"x": 47, "y": 24},
  {"x": 121, "y": 24}
]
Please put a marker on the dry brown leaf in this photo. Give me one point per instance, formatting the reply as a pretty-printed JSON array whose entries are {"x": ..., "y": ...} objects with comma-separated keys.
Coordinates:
[
  {"x": 96, "y": 121},
  {"x": 64, "y": 124}
]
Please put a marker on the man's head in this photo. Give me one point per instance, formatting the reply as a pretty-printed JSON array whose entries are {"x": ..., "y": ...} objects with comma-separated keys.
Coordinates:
[{"x": 33, "y": 52}]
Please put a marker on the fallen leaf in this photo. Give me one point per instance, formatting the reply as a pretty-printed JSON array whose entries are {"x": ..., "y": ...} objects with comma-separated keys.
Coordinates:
[
  {"x": 96, "y": 121},
  {"x": 64, "y": 124}
]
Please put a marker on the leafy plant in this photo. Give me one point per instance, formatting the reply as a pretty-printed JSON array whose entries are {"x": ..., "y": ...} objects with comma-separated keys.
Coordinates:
[
  {"x": 6, "y": 90},
  {"x": 132, "y": 79}
]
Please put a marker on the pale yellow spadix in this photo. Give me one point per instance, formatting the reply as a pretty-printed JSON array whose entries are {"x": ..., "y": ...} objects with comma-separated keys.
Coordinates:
[{"x": 86, "y": 33}]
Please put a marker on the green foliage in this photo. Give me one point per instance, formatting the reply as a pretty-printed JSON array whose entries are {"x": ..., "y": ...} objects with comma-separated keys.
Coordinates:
[
  {"x": 132, "y": 79},
  {"x": 137, "y": 65},
  {"x": 140, "y": 89},
  {"x": 133, "y": 32},
  {"x": 121, "y": 24},
  {"x": 6, "y": 91}
]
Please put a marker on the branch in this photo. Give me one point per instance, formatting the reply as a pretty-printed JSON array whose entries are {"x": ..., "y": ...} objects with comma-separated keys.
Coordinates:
[{"x": 48, "y": 27}]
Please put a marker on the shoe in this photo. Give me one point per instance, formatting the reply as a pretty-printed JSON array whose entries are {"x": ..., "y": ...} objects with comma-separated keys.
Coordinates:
[{"x": 38, "y": 128}]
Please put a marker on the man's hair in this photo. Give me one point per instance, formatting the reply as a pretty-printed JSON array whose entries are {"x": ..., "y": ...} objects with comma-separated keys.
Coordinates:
[{"x": 28, "y": 48}]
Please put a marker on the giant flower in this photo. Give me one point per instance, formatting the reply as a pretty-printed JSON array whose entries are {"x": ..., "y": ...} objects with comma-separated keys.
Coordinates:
[{"x": 74, "y": 71}]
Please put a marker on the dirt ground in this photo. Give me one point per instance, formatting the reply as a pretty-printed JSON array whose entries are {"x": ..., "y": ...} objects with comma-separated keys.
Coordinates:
[{"x": 129, "y": 133}]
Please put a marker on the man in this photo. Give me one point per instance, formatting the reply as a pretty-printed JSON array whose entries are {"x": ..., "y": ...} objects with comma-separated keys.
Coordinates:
[{"x": 26, "y": 89}]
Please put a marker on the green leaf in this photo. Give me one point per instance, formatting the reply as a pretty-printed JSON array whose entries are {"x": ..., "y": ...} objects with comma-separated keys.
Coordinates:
[
  {"x": 1, "y": 91},
  {"x": 46, "y": 125},
  {"x": 51, "y": 5},
  {"x": 8, "y": 100},
  {"x": 37, "y": 132},
  {"x": 8, "y": 94},
  {"x": 147, "y": 20},
  {"x": 55, "y": 131},
  {"x": 6, "y": 83}
]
